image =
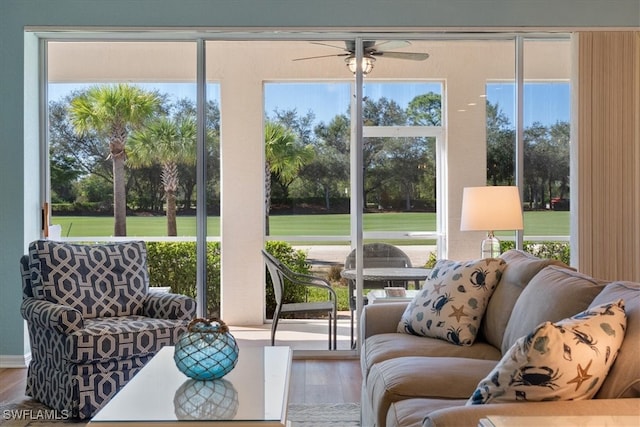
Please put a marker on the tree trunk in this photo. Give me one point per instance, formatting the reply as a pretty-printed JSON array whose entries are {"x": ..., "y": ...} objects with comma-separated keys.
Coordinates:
[
  {"x": 119, "y": 197},
  {"x": 172, "y": 228},
  {"x": 327, "y": 201},
  {"x": 170, "y": 182}
]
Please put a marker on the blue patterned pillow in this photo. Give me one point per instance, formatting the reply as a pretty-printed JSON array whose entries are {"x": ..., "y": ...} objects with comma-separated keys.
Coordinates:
[
  {"x": 566, "y": 360},
  {"x": 452, "y": 301},
  {"x": 97, "y": 280}
]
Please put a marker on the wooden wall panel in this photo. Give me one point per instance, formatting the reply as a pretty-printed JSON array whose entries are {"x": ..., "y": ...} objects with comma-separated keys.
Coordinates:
[{"x": 608, "y": 154}]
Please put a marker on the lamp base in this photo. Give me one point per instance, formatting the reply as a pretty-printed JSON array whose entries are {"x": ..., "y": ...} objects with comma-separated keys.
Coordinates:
[{"x": 490, "y": 246}]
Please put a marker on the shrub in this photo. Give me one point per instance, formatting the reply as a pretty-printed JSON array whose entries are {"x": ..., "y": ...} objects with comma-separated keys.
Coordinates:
[
  {"x": 431, "y": 261},
  {"x": 551, "y": 250},
  {"x": 174, "y": 264},
  {"x": 543, "y": 249}
]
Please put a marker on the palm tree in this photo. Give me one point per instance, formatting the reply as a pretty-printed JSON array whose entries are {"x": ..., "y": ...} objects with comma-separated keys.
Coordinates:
[
  {"x": 113, "y": 111},
  {"x": 284, "y": 159},
  {"x": 170, "y": 143}
]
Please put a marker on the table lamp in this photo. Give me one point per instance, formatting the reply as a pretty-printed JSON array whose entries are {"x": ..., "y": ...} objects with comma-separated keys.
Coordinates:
[{"x": 490, "y": 209}]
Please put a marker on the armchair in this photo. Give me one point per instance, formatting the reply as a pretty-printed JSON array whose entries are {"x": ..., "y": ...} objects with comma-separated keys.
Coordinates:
[{"x": 92, "y": 321}]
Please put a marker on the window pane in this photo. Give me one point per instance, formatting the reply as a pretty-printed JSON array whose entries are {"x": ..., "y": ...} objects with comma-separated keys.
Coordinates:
[
  {"x": 308, "y": 131},
  {"x": 122, "y": 146},
  {"x": 400, "y": 173},
  {"x": 547, "y": 138},
  {"x": 89, "y": 134},
  {"x": 546, "y": 111}
]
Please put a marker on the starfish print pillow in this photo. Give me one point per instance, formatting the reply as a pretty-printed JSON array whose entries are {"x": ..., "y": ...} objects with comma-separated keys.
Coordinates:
[
  {"x": 453, "y": 300},
  {"x": 566, "y": 360}
]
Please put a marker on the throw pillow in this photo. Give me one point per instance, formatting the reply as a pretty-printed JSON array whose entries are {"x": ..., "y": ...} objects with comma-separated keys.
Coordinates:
[
  {"x": 623, "y": 379},
  {"x": 452, "y": 301},
  {"x": 566, "y": 360}
]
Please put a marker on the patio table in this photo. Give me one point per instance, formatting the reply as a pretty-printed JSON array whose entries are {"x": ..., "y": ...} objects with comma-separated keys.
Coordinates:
[{"x": 384, "y": 275}]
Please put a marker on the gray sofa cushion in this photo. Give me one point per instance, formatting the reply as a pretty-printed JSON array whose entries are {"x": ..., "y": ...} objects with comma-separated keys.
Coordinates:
[
  {"x": 520, "y": 269},
  {"x": 624, "y": 377},
  {"x": 553, "y": 294},
  {"x": 381, "y": 347},
  {"x": 412, "y": 412},
  {"x": 422, "y": 377},
  {"x": 468, "y": 416}
]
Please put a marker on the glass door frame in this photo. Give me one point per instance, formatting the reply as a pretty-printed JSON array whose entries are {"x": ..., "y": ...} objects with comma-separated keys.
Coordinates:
[{"x": 358, "y": 130}]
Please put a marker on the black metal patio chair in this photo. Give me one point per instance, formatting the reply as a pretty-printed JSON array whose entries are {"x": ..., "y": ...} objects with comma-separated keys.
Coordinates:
[{"x": 282, "y": 276}]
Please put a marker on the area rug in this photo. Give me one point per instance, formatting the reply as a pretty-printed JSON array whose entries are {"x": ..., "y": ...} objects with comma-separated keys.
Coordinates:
[
  {"x": 29, "y": 413},
  {"x": 325, "y": 415}
]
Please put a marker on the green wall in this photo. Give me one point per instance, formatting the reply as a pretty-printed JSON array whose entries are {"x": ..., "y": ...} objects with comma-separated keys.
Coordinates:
[{"x": 19, "y": 164}]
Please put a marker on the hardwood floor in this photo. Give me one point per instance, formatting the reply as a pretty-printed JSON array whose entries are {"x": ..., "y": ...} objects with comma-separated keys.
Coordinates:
[
  {"x": 325, "y": 381},
  {"x": 312, "y": 381},
  {"x": 12, "y": 384}
]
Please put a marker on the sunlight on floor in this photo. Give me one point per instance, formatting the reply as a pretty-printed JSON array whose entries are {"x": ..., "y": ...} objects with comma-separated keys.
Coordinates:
[{"x": 308, "y": 334}]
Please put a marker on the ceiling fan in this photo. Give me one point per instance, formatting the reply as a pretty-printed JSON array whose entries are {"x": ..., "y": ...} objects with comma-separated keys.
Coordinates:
[{"x": 372, "y": 50}]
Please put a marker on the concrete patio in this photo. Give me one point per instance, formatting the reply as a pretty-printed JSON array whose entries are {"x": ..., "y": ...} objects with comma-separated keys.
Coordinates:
[{"x": 311, "y": 334}]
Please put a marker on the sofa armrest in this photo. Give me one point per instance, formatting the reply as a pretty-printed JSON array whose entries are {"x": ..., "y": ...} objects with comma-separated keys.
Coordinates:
[
  {"x": 162, "y": 305},
  {"x": 49, "y": 315},
  {"x": 381, "y": 318},
  {"x": 470, "y": 415}
]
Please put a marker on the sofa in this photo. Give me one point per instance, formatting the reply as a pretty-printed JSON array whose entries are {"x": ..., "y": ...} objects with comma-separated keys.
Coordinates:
[
  {"x": 532, "y": 309},
  {"x": 93, "y": 321}
]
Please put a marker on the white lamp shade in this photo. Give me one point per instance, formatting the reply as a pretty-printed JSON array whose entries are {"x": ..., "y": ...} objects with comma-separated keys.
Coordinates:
[{"x": 491, "y": 208}]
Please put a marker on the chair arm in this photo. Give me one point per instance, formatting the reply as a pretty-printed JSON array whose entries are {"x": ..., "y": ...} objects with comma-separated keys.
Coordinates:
[
  {"x": 308, "y": 280},
  {"x": 469, "y": 415},
  {"x": 161, "y": 305},
  {"x": 46, "y": 314},
  {"x": 381, "y": 318}
]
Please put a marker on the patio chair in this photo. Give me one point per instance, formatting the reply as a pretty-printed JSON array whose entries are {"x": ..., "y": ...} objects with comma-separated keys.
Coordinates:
[
  {"x": 93, "y": 324},
  {"x": 375, "y": 255},
  {"x": 282, "y": 276}
]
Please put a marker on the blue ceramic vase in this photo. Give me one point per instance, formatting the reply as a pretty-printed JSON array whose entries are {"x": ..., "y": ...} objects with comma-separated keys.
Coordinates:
[{"x": 207, "y": 350}]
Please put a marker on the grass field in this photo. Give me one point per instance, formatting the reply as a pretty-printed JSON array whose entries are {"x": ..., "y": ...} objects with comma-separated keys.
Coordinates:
[{"x": 539, "y": 223}]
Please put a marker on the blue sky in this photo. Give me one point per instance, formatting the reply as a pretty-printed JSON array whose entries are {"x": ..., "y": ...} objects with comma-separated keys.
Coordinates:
[
  {"x": 543, "y": 102},
  {"x": 547, "y": 103}
]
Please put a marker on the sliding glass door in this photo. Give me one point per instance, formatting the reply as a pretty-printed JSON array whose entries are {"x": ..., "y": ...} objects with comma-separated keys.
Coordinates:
[{"x": 312, "y": 146}]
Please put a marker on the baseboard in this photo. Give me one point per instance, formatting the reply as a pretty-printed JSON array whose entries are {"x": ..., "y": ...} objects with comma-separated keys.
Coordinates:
[{"x": 17, "y": 361}]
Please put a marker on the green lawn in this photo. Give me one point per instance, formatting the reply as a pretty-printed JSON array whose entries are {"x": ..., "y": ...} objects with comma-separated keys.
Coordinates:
[{"x": 542, "y": 223}]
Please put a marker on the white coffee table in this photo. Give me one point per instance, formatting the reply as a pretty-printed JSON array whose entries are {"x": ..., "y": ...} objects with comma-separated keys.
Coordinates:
[{"x": 254, "y": 393}]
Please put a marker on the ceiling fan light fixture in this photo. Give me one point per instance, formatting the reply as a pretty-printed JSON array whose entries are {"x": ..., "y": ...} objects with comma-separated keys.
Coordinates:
[{"x": 367, "y": 64}]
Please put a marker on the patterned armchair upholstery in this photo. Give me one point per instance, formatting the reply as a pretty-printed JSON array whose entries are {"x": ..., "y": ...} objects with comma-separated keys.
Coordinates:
[{"x": 93, "y": 323}]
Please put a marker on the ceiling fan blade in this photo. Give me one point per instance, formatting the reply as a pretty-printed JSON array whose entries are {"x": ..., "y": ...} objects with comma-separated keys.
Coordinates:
[
  {"x": 330, "y": 45},
  {"x": 390, "y": 44},
  {"x": 402, "y": 55},
  {"x": 320, "y": 56}
]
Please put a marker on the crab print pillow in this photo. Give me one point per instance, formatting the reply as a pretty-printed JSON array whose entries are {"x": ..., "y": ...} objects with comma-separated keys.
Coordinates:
[
  {"x": 566, "y": 360},
  {"x": 452, "y": 301}
]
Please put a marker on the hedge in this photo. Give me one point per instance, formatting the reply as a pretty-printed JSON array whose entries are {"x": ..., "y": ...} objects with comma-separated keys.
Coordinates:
[
  {"x": 173, "y": 264},
  {"x": 543, "y": 249}
]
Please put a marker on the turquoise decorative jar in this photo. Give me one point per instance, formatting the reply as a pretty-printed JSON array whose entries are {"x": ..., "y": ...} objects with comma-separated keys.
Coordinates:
[{"x": 207, "y": 350}]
